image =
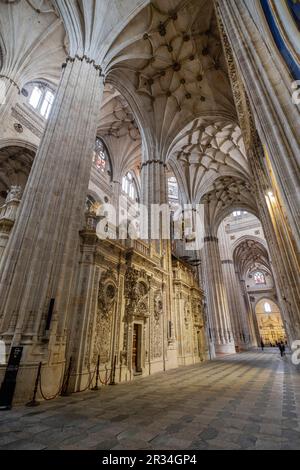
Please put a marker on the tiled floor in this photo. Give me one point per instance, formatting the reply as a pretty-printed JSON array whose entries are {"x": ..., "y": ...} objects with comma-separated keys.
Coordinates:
[{"x": 247, "y": 401}]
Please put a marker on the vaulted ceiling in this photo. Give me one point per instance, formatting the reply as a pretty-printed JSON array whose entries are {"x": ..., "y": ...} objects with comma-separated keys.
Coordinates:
[
  {"x": 169, "y": 64},
  {"x": 32, "y": 41},
  {"x": 249, "y": 255},
  {"x": 204, "y": 151},
  {"x": 118, "y": 129},
  {"x": 15, "y": 165},
  {"x": 167, "y": 93}
]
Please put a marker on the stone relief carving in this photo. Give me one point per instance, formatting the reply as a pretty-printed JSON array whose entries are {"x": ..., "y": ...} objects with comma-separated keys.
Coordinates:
[
  {"x": 156, "y": 330},
  {"x": 15, "y": 192},
  {"x": 187, "y": 314},
  {"x": 136, "y": 290},
  {"x": 136, "y": 294},
  {"x": 158, "y": 306},
  {"x": 107, "y": 295}
]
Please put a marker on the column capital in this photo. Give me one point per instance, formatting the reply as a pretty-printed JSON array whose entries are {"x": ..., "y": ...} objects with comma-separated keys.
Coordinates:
[
  {"x": 150, "y": 162},
  {"x": 85, "y": 58},
  {"x": 210, "y": 238}
]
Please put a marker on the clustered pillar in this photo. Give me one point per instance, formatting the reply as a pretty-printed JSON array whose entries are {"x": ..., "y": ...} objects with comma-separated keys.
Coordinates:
[
  {"x": 154, "y": 193},
  {"x": 217, "y": 302},
  {"x": 40, "y": 259}
]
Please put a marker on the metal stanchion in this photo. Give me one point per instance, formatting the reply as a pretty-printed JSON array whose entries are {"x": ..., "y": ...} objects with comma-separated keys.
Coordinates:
[
  {"x": 113, "y": 375},
  {"x": 65, "y": 392},
  {"x": 97, "y": 375},
  {"x": 34, "y": 401}
]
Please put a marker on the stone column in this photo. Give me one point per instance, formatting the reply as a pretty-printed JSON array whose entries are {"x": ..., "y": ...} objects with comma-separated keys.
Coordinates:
[
  {"x": 281, "y": 243},
  {"x": 85, "y": 308},
  {"x": 154, "y": 192},
  {"x": 42, "y": 252},
  {"x": 250, "y": 312},
  {"x": 8, "y": 213},
  {"x": 239, "y": 323},
  {"x": 268, "y": 86},
  {"x": 217, "y": 302},
  {"x": 238, "y": 315},
  {"x": 154, "y": 182},
  {"x": 273, "y": 172}
]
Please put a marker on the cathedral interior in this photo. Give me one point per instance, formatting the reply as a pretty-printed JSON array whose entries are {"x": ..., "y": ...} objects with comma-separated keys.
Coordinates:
[{"x": 149, "y": 224}]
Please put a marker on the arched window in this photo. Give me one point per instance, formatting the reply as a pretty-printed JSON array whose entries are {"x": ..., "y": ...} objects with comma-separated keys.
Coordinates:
[
  {"x": 100, "y": 158},
  {"x": 129, "y": 186},
  {"x": 267, "y": 307},
  {"x": 239, "y": 213},
  {"x": 173, "y": 192},
  {"x": 41, "y": 99},
  {"x": 259, "y": 278}
]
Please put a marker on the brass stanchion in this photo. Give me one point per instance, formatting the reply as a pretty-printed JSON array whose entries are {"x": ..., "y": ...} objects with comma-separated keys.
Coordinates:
[
  {"x": 65, "y": 392},
  {"x": 34, "y": 401},
  {"x": 113, "y": 375},
  {"x": 97, "y": 374}
]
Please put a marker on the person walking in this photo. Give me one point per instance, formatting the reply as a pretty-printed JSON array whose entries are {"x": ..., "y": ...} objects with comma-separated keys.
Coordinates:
[
  {"x": 262, "y": 344},
  {"x": 281, "y": 348}
]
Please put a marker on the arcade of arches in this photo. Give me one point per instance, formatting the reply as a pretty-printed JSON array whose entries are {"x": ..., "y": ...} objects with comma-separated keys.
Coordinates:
[{"x": 169, "y": 102}]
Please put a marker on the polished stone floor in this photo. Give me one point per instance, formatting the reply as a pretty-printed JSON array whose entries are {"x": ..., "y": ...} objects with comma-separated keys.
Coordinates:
[{"x": 247, "y": 401}]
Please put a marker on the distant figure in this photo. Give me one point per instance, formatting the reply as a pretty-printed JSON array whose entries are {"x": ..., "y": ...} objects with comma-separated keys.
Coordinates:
[
  {"x": 262, "y": 344},
  {"x": 281, "y": 348}
]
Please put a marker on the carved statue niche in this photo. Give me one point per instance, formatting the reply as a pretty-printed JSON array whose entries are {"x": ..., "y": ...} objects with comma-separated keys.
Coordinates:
[
  {"x": 158, "y": 306},
  {"x": 187, "y": 314},
  {"x": 137, "y": 295},
  {"x": 107, "y": 296},
  {"x": 8, "y": 212},
  {"x": 157, "y": 327},
  {"x": 15, "y": 192},
  {"x": 136, "y": 290}
]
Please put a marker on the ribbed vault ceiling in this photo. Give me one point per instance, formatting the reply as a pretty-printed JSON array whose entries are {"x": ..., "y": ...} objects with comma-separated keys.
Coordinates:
[
  {"x": 15, "y": 165},
  {"x": 170, "y": 60},
  {"x": 250, "y": 255},
  {"x": 32, "y": 41},
  {"x": 166, "y": 83}
]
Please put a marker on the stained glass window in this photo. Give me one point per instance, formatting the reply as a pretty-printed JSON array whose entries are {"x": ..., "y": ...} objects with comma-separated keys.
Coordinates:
[
  {"x": 259, "y": 278},
  {"x": 100, "y": 157},
  {"x": 172, "y": 188}
]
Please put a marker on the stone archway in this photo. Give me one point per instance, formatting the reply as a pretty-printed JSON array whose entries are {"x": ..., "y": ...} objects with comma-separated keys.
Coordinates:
[
  {"x": 15, "y": 165},
  {"x": 269, "y": 321}
]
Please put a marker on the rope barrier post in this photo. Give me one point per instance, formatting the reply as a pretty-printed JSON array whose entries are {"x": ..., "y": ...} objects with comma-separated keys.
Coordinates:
[
  {"x": 97, "y": 375},
  {"x": 34, "y": 401},
  {"x": 113, "y": 376},
  {"x": 65, "y": 392}
]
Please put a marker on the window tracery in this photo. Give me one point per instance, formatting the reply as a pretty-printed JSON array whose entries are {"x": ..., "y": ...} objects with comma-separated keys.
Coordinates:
[
  {"x": 129, "y": 186},
  {"x": 259, "y": 278},
  {"x": 41, "y": 99},
  {"x": 100, "y": 157}
]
